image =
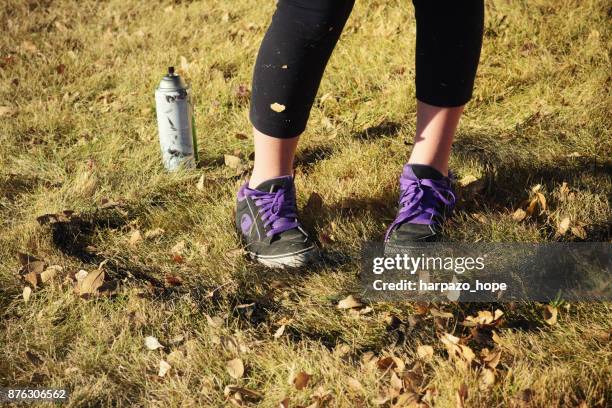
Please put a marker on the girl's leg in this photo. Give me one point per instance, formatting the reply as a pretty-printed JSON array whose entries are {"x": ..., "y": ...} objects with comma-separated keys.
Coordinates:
[
  {"x": 449, "y": 38},
  {"x": 288, "y": 71}
]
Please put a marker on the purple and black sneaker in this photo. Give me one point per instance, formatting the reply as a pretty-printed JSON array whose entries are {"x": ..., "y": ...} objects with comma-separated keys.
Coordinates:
[
  {"x": 426, "y": 198},
  {"x": 266, "y": 218}
]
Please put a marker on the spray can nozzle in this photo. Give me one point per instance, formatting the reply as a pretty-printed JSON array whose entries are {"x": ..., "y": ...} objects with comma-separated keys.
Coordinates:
[{"x": 170, "y": 71}]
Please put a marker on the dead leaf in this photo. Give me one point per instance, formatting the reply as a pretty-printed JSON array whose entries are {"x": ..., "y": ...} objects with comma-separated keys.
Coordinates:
[
  {"x": 349, "y": 302},
  {"x": 550, "y": 315},
  {"x": 29, "y": 47},
  {"x": 279, "y": 332},
  {"x": 425, "y": 352},
  {"x": 354, "y": 384},
  {"x": 486, "y": 379},
  {"x": 243, "y": 92},
  {"x": 440, "y": 313},
  {"x": 301, "y": 380},
  {"x": 91, "y": 283},
  {"x": 396, "y": 383},
  {"x": 215, "y": 321},
  {"x": 135, "y": 238},
  {"x": 172, "y": 280},
  {"x": 386, "y": 363},
  {"x": 27, "y": 291},
  {"x": 519, "y": 215},
  {"x": 314, "y": 203},
  {"x": 277, "y": 107},
  {"x": 579, "y": 231},
  {"x": 152, "y": 343},
  {"x": 200, "y": 185},
  {"x": 6, "y": 110},
  {"x": 235, "y": 368},
  {"x": 490, "y": 358},
  {"x": 50, "y": 273},
  {"x": 407, "y": 400},
  {"x": 154, "y": 233},
  {"x": 462, "y": 394},
  {"x": 164, "y": 367},
  {"x": 232, "y": 161}
]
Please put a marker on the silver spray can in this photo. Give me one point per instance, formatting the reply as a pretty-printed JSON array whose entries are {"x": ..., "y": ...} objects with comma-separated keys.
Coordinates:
[{"x": 175, "y": 121}]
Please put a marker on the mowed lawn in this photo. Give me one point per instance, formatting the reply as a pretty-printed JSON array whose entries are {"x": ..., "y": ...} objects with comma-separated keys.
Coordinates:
[{"x": 112, "y": 249}]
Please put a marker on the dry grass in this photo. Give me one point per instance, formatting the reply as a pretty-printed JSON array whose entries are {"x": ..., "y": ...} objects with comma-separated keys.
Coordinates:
[{"x": 79, "y": 79}]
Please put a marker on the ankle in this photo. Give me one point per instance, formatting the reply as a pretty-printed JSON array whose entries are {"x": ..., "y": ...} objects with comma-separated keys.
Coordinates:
[{"x": 256, "y": 178}]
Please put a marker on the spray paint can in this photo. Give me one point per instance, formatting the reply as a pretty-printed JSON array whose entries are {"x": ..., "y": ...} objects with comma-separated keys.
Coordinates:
[{"x": 175, "y": 121}]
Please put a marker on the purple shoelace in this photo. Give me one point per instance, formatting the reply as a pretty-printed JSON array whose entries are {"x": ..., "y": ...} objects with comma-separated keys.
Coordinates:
[
  {"x": 420, "y": 201},
  {"x": 277, "y": 209}
]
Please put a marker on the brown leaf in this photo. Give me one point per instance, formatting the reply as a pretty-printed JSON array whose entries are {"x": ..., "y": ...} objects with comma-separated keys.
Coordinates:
[
  {"x": 490, "y": 358},
  {"x": 50, "y": 273},
  {"x": 172, "y": 280},
  {"x": 486, "y": 379},
  {"x": 154, "y": 233},
  {"x": 32, "y": 278},
  {"x": 519, "y": 215},
  {"x": 407, "y": 400},
  {"x": 301, "y": 380},
  {"x": 425, "y": 352},
  {"x": 440, "y": 313},
  {"x": 563, "y": 226},
  {"x": 91, "y": 283},
  {"x": 135, "y": 238},
  {"x": 241, "y": 136},
  {"x": 354, "y": 384},
  {"x": 550, "y": 315},
  {"x": 215, "y": 321},
  {"x": 396, "y": 383},
  {"x": 232, "y": 161},
  {"x": 462, "y": 394},
  {"x": 579, "y": 231},
  {"x": 60, "y": 69},
  {"x": 386, "y": 363},
  {"x": 243, "y": 92},
  {"x": 349, "y": 302},
  {"x": 235, "y": 368}
]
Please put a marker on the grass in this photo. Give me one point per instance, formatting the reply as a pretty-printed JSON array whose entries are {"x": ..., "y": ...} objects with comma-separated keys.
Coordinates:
[{"x": 78, "y": 81}]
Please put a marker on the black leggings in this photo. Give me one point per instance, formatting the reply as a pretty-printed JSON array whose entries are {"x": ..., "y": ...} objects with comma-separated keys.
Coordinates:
[{"x": 303, "y": 34}]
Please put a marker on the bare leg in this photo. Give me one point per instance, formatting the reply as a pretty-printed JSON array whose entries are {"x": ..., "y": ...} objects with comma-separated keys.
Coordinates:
[
  {"x": 273, "y": 157},
  {"x": 436, "y": 127}
]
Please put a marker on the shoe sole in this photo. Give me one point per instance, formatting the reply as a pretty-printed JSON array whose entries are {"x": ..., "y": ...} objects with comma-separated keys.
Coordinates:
[{"x": 294, "y": 260}]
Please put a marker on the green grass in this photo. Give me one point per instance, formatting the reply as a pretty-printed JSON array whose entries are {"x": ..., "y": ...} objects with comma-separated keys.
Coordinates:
[{"x": 79, "y": 78}]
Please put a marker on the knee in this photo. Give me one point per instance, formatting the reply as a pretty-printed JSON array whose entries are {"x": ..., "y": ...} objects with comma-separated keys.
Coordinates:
[{"x": 314, "y": 18}]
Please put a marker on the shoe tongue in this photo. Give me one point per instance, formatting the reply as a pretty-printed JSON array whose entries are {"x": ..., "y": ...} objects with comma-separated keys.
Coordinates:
[
  {"x": 422, "y": 171},
  {"x": 272, "y": 185}
]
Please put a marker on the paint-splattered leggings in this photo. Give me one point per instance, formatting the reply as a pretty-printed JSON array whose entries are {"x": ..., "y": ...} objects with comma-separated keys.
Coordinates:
[{"x": 303, "y": 34}]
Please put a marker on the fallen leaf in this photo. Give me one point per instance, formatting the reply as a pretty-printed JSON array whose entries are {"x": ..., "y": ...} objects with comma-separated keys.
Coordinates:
[
  {"x": 178, "y": 248},
  {"x": 91, "y": 283},
  {"x": 152, "y": 343},
  {"x": 29, "y": 47},
  {"x": 172, "y": 280},
  {"x": 425, "y": 352},
  {"x": 6, "y": 110},
  {"x": 354, "y": 384},
  {"x": 241, "y": 136},
  {"x": 407, "y": 399},
  {"x": 200, "y": 185},
  {"x": 301, "y": 380},
  {"x": 396, "y": 383},
  {"x": 462, "y": 394},
  {"x": 243, "y": 92},
  {"x": 214, "y": 321},
  {"x": 486, "y": 379},
  {"x": 314, "y": 203},
  {"x": 550, "y": 315},
  {"x": 386, "y": 363},
  {"x": 579, "y": 232},
  {"x": 440, "y": 313},
  {"x": 277, "y": 107},
  {"x": 279, "y": 332},
  {"x": 519, "y": 215},
  {"x": 232, "y": 161},
  {"x": 27, "y": 291},
  {"x": 164, "y": 367},
  {"x": 154, "y": 233},
  {"x": 235, "y": 368},
  {"x": 50, "y": 273},
  {"x": 349, "y": 302},
  {"x": 135, "y": 238}
]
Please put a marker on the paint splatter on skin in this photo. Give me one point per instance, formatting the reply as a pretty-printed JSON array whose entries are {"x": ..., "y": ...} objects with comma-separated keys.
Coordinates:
[{"x": 277, "y": 107}]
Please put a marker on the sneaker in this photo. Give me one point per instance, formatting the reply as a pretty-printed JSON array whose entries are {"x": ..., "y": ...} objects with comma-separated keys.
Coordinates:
[
  {"x": 266, "y": 218},
  {"x": 426, "y": 198}
]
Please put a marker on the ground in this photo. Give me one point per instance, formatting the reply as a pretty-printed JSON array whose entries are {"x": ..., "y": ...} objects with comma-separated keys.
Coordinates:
[{"x": 78, "y": 134}]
